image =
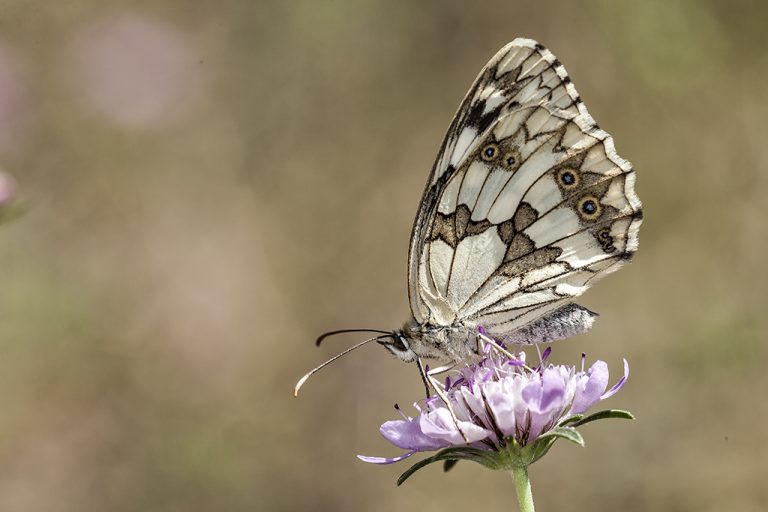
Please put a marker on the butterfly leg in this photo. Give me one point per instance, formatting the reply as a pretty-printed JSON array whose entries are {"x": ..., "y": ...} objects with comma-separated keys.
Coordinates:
[
  {"x": 423, "y": 375},
  {"x": 430, "y": 381},
  {"x": 482, "y": 338}
]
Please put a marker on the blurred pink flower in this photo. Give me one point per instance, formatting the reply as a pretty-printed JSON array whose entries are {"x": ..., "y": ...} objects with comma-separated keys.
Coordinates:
[
  {"x": 13, "y": 98},
  {"x": 136, "y": 71},
  {"x": 7, "y": 188}
]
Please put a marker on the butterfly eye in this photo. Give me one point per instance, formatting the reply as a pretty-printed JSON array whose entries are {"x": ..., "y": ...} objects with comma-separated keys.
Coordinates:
[
  {"x": 589, "y": 207},
  {"x": 489, "y": 152},
  {"x": 568, "y": 178},
  {"x": 398, "y": 344}
]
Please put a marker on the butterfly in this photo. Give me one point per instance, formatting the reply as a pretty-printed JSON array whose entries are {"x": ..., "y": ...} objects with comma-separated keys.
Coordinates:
[{"x": 526, "y": 206}]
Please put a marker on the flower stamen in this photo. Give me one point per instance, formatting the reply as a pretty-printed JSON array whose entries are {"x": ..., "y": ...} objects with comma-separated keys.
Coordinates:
[{"x": 441, "y": 393}]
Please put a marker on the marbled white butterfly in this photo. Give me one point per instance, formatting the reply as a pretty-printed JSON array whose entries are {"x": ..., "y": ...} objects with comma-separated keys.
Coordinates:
[{"x": 526, "y": 206}]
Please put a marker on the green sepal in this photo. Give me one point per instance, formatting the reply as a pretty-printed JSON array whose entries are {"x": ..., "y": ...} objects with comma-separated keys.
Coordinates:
[
  {"x": 608, "y": 413},
  {"x": 580, "y": 419},
  {"x": 567, "y": 433},
  {"x": 544, "y": 442},
  {"x": 540, "y": 447},
  {"x": 453, "y": 453},
  {"x": 570, "y": 419},
  {"x": 448, "y": 464}
]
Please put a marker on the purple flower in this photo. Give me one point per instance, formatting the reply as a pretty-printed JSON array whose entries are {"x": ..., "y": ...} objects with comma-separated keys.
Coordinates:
[
  {"x": 497, "y": 402},
  {"x": 406, "y": 434}
]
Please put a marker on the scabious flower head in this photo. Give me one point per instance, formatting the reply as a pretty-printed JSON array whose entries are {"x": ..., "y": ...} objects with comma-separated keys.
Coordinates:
[{"x": 501, "y": 405}]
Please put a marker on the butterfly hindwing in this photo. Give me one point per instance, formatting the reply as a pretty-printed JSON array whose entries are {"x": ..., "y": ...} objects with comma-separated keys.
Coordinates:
[{"x": 526, "y": 206}]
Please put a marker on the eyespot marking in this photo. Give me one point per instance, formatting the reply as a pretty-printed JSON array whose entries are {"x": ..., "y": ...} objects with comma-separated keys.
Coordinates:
[
  {"x": 606, "y": 240},
  {"x": 589, "y": 207},
  {"x": 511, "y": 160},
  {"x": 568, "y": 178},
  {"x": 489, "y": 152}
]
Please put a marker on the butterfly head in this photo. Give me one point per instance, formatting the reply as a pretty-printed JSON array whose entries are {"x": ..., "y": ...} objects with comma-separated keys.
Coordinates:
[
  {"x": 415, "y": 341},
  {"x": 399, "y": 345}
]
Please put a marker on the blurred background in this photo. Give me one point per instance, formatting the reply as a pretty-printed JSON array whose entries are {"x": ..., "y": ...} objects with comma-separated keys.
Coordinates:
[{"x": 207, "y": 186}]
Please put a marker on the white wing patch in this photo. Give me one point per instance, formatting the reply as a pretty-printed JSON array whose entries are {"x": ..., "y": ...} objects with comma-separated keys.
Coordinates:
[
  {"x": 546, "y": 192},
  {"x": 541, "y": 274},
  {"x": 440, "y": 258},
  {"x": 474, "y": 180},
  {"x": 448, "y": 200},
  {"x": 506, "y": 202},
  {"x": 494, "y": 98},
  {"x": 468, "y": 136},
  {"x": 526, "y": 206},
  {"x": 496, "y": 181},
  {"x": 476, "y": 258},
  {"x": 552, "y": 226},
  {"x": 495, "y": 290}
]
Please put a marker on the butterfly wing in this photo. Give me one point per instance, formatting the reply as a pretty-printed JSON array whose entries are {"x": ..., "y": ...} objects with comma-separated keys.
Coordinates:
[{"x": 527, "y": 203}]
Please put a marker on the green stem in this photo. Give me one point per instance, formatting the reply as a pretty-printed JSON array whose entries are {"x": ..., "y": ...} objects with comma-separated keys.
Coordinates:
[{"x": 523, "y": 487}]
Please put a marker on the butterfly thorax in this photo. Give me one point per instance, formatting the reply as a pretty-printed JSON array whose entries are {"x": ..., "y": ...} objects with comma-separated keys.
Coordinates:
[{"x": 452, "y": 343}]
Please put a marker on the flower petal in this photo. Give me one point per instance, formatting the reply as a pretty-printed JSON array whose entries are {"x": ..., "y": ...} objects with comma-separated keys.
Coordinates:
[
  {"x": 473, "y": 398},
  {"x": 407, "y": 434},
  {"x": 501, "y": 400},
  {"x": 544, "y": 394},
  {"x": 439, "y": 425},
  {"x": 545, "y": 400},
  {"x": 616, "y": 387},
  {"x": 590, "y": 387},
  {"x": 385, "y": 460}
]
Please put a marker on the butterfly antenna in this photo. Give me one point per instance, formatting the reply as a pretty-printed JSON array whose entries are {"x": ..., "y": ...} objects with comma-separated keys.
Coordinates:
[
  {"x": 320, "y": 339},
  {"x": 350, "y": 349}
]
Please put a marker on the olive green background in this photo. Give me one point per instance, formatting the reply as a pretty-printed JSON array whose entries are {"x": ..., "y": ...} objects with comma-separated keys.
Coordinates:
[{"x": 160, "y": 295}]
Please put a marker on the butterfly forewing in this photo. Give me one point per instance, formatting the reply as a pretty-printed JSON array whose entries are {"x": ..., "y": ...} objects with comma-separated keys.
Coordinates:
[{"x": 527, "y": 204}]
